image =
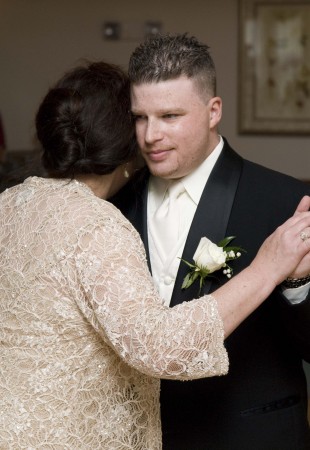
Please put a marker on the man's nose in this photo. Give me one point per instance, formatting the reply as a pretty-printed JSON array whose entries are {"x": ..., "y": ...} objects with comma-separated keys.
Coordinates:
[{"x": 153, "y": 131}]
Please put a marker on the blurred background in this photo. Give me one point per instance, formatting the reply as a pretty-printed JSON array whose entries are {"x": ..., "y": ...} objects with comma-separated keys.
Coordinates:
[{"x": 40, "y": 40}]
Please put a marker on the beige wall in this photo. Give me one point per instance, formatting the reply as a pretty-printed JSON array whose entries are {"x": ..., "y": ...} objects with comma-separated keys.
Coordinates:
[{"x": 39, "y": 40}]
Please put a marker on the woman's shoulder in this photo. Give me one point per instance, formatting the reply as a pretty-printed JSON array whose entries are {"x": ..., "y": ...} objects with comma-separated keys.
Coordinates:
[
  {"x": 91, "y": 211},
  {"x": 69, "y": 203}
]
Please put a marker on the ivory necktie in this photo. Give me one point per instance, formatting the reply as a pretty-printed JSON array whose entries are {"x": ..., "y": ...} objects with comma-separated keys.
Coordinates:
[{"x": 166, "y": 219}]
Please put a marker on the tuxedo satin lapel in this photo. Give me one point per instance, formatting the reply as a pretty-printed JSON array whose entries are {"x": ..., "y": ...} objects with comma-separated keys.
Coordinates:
[
  {"x": 137, "y": 214},
  {"x": 211, "y": 218}
]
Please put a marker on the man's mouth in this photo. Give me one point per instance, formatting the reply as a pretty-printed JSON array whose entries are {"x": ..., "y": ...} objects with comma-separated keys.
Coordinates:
[{"x": 157, "y": 155}]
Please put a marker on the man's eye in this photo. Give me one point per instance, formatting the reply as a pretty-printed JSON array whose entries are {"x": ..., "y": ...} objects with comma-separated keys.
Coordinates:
[{"x": 170, "y": 116}]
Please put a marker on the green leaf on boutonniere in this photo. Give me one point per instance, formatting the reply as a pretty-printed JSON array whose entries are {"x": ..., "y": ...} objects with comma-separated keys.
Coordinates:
[
  {"x": 224, "y": 242},
  {"x": 189, "y": 279},
  {"x": 194, "y": 273}
]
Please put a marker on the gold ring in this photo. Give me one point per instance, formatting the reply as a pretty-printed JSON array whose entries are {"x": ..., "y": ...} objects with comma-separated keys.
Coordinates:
[{"x": 304, "y": 236}]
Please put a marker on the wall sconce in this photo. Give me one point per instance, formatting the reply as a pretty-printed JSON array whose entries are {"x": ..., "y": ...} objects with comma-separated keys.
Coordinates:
[
  {"x": 130, "y": 31},
  {"x": 152, "y": 28},
  {"x": 112, "y": 31}
]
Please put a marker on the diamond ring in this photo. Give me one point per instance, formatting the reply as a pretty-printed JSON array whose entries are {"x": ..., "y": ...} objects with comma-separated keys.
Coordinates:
[{"x": 304, "y": 236}]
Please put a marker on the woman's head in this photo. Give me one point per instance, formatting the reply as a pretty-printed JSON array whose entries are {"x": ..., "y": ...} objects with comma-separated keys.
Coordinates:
[{"x": 84, "y": 123}]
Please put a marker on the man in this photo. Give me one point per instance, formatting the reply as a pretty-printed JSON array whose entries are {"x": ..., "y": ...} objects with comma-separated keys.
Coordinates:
[{"x": 262, "y": 403}]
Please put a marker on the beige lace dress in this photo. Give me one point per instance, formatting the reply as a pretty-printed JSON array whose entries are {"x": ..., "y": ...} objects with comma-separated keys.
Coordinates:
[{"x": 84, "y": 337}]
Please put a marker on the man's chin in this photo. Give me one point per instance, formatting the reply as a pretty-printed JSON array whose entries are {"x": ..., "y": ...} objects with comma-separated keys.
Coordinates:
[{"x": 166, "y": 175}]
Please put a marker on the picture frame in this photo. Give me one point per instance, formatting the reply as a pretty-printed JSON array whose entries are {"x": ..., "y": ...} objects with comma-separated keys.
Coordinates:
[{"x": 274, "y": 67}]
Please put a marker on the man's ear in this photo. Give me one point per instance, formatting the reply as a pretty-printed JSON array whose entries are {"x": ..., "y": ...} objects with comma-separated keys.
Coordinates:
[{"x": 215, "y": 105}]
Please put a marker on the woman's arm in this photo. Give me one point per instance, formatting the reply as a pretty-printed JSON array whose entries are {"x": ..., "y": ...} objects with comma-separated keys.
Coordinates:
[
  {"x": 121, "y": 302},
  {"x": 186, "y": 341}
]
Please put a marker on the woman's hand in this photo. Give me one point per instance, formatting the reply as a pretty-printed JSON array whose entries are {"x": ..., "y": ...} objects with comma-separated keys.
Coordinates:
[
  {"x": 303, "y": 268},
  {"x": 286, "y": 253}
]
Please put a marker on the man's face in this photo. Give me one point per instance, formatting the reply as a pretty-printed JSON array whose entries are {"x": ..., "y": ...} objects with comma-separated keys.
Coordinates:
[{"x": 175, "y": 125}]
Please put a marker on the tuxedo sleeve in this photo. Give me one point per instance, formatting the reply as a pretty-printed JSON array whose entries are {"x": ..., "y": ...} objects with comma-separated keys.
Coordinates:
[{"x": 296, "y": 320}]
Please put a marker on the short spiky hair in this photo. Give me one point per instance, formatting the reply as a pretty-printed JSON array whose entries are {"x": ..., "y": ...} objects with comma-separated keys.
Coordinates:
[{"x": 166, "y": 57}]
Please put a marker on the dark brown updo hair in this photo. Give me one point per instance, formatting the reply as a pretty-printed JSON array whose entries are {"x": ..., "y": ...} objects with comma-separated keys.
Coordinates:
[{"x": 84, "y": 123}]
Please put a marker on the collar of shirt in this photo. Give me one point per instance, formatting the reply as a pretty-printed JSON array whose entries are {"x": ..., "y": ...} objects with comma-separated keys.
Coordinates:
[{"x": 194, "y": 183}]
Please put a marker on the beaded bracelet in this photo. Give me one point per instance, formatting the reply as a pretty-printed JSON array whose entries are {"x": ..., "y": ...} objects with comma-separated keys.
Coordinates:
[{"x": 296, "y": 282}]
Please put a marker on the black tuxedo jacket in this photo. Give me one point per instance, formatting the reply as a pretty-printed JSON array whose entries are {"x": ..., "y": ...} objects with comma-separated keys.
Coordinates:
[{"x": 261, "y": 404}]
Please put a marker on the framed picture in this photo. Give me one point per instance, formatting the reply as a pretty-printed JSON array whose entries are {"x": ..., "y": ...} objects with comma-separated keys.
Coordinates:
[{"x": 274, "y": 67}]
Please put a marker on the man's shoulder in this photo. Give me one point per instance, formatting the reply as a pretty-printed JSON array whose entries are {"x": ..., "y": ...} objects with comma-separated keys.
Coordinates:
[
  {"x": 264, "y": 175},
  {"x": 257, "y": 174}
]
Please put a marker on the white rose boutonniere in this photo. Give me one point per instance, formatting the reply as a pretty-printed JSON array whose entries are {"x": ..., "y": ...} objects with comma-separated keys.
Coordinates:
[{"x": 210, "y": 257}]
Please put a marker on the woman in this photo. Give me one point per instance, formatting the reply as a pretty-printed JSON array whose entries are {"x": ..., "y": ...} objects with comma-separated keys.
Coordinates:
[{"x": 84, "y": 336}]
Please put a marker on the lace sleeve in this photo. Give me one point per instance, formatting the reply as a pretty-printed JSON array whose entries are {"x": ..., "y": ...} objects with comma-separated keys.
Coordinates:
[{"x": 183, "y": 342}]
